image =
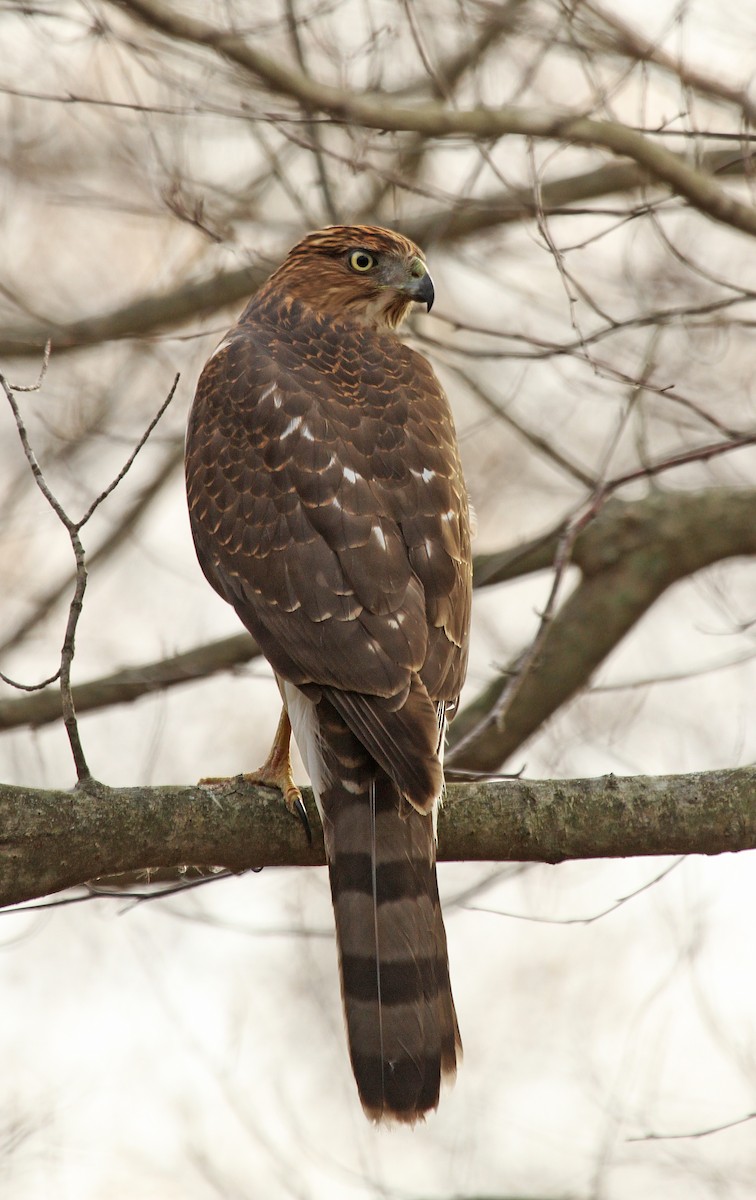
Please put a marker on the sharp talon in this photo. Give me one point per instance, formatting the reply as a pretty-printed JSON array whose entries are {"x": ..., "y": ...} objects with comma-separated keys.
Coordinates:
[
  {"x": 300, "y": 810},
  {"x": 275, "y": 773}
]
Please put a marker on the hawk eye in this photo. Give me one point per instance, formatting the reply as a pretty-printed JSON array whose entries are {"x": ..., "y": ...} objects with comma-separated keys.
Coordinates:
[{"x": 360, "y": 260}]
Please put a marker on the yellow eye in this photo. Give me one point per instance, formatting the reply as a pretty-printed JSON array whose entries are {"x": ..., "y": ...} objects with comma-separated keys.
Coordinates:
[{"x": 360, "y": 260}]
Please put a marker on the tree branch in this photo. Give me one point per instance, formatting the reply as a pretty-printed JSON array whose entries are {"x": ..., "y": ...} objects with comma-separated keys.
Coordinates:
[
  {"x": 633, "y": 45},
  {"x": 172, "y": 458},
  {"x": 144, "y": 316},
  {"x": 53, "y": 840},
  {"x": 628, "y": 556},
  {"x": 436, "y": 120},
  {"x": 123, "y": 687},
  {"x": 683, "y": 512},
  {"x": 151, "y": 315}
]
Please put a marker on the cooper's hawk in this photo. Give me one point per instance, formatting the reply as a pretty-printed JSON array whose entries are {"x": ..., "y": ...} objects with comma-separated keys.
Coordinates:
[{"x": 328, "y": 507}]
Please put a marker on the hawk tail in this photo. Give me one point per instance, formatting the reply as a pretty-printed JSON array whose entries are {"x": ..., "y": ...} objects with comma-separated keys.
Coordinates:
[{"x": 400, "y": 1017}]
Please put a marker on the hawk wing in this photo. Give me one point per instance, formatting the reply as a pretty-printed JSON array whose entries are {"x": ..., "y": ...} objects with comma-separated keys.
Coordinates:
[{"x": 328, "y": 507}]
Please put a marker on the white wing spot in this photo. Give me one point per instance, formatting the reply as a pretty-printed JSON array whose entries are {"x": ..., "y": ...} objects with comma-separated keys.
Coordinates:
[
  {"x": 270, "y": 390},
  {"x": 351, "y": 475},
  {"x": 294, "y": 424},
  {"x": 379, "y": 536},
  {"x": 307, "y": 433},
  {"x": 426, "y": 474}
]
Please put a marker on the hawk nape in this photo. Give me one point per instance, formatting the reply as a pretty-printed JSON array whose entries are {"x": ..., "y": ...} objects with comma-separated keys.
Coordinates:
[{"x": 328, "y": 507}]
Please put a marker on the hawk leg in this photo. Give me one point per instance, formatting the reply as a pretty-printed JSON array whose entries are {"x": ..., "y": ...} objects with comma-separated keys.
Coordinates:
[{"x": 276, "y": 773}]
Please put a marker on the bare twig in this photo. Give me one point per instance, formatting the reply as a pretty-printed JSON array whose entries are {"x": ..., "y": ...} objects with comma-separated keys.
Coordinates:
[
  {"x": 628, "y": 41},
  {"x": 561, "y": 562},
  {"x": 73, "y": 528},
  {"x": 536, "y": 440},
  {"x": 597, "y": 916},
  {"x": 34, "y": 387},
  {"x": 115, "y": 538},
  {"x": 130, "y": 460},
  {"x": 696, "y": 1133},
  {"x": 74, "y": 611},
  {"x": 435, "y": 120},
  {"x": 293, "y": 22},
  {"x": 628, "y": 556}
]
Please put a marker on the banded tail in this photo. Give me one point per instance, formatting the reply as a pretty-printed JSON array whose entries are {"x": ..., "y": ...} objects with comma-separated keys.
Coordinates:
[{"x": 401, "y": 1023}]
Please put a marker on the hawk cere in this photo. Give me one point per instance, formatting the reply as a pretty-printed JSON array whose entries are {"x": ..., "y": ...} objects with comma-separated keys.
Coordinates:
[{"x": 328, "y": 506}]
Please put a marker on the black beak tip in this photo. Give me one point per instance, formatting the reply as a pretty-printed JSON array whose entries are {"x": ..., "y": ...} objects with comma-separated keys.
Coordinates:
[{"x": 426, "y": 292}]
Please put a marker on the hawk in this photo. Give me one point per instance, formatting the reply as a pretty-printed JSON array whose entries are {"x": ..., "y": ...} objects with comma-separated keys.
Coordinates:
[{"x": 328, "y": 506}]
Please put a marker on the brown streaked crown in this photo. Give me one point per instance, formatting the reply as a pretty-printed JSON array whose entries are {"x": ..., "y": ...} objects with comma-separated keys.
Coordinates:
[{"x": 317, "y": 271}]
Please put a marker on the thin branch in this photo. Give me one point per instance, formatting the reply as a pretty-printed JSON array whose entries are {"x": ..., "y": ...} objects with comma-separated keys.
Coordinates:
[
  {"x": 629, "y": 42},
  {"x": 683, "y": 459},
  {"x": 149, "y": 315},
  {"x": 293, "y": 22},
  {"x": 696, "y": 1133},
  {"x": 436, "y": 120},
  {"x": 596, "y": 916},
  {"x": 36, "y": 386},
  {"x": 536, "y": 440},
  {"x": 74, "y": 609},
  {"x": 30, "y": 687},
  {"x": 629, "y": 555},
  {"x": 130, "y": 460},
  {"x": 673, "y": 676},
  {"x": 116, "y": 537},
  {"x": 563, "y": 556},
  {"x": 73, "y": 528},
  {"x": 576, "y": 346},
  {"x": 517, "y": 677}
]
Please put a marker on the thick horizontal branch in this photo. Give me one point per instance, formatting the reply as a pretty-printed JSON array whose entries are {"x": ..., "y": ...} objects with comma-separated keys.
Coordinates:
[
  {"x": 141, "y": 317},
  {"x": 375, "y": 111},
  {"x": 53, "y": 840},
  {"x": 555, "y": 196}
]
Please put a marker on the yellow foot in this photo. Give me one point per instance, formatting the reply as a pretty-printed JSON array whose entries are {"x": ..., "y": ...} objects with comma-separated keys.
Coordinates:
[
  {"x": 275, "y": 773},
  {"x": 281, "y": 779}
]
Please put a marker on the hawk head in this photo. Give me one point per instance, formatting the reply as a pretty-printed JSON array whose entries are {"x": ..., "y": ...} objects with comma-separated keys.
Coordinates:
[{"x": 360, "y": 271}]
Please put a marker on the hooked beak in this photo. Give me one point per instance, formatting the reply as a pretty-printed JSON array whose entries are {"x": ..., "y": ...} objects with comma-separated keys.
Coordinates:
[{"x": 420, "y": 286}]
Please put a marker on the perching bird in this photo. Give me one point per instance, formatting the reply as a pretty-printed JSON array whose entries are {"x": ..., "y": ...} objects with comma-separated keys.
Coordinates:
[{"x": 328, "y": 506}]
